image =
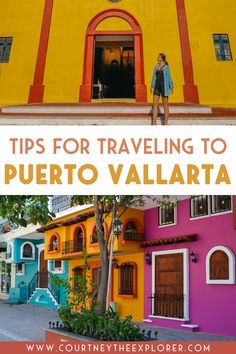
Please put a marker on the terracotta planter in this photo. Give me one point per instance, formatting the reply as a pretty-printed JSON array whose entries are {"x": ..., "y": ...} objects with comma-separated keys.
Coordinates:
[{"x": 56, "y": 335}]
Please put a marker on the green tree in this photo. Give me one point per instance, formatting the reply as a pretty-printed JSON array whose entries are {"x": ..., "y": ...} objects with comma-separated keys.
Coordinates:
[{"x": 18, "y": 208}]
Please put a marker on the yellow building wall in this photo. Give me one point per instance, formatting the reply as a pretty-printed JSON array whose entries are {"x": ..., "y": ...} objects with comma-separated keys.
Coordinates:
[
  {"x": 123, "y": 252},
  {"x": 64, "y": 64},
  {"x": 67, "y": 233},
  {"x": 22, "y": 21},
  {"x": 63, "y": 75},
  {"x": 215, "y": 79},
  {"x": 130, "y": 306},
  {"x": 125, "y": 306},
  {"x": 60, "y": 232},
  {"x": 158, "y": 20}
]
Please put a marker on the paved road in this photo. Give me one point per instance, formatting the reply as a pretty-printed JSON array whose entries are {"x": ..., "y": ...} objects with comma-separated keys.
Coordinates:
[
  {"x": 24, "y": 322},
  {"x": 27, "y": 323}
]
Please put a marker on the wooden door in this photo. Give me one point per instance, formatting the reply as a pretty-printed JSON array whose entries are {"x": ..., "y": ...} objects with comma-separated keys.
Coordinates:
[
  {"x": 169, "y": 297},
  {"x": 43, "y": 271}
]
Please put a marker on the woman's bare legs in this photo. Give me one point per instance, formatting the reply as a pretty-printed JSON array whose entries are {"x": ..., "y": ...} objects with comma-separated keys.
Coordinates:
[
  {"x": 155, "y": 108},
  {"x": 166, "y": 109}
]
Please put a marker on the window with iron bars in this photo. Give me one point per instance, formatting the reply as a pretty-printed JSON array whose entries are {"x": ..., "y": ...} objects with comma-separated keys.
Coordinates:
[
  {"x": 220, "y": 203},
  {"x": 5, "y": 49},
  {"x": 131, "y": 232},
  {"x": 222, "y": 47},
  {"x": 203, "y": 205},
  {"x": 127, "y": 275},
  {"x": 167, "y": 214},
  {"x": 77, "y": 273}
]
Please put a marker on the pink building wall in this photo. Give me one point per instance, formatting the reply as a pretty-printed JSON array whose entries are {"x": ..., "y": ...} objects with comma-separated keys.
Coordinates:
[{"x": 211, "y": 306}]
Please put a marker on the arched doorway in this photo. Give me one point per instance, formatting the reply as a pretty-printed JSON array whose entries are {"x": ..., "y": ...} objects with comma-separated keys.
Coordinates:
[{"x": 130, "y": 43}]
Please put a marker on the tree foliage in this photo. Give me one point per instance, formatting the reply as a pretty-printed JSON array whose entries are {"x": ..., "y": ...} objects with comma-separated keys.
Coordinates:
[{"x": 18, "y": 209}]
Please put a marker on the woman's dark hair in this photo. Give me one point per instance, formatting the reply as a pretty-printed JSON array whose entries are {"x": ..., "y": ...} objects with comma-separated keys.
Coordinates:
[{"x": 163, "y": 57}]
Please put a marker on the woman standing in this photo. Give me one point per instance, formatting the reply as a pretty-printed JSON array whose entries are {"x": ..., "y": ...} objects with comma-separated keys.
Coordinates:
[{"x": 161, "y": 86}]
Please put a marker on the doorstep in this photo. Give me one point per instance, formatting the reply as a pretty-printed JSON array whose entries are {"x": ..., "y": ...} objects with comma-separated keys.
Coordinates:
[{"x": 190, "y": 327}]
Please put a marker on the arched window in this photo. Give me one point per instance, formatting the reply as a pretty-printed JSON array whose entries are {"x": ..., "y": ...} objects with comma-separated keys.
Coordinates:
[
  {"x": 54, "y": 243},
  {"x": 78, "y": 240},
  {"x": 128, "y": 279},
  {"x": 27, "y": 250},
  {"x": 131, "y": 232},
  {"x": 94, "y": 236},
  {"x": 220, "y": 266}
]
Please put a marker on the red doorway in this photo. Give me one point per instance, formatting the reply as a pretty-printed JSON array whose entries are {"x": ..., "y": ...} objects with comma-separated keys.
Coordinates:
[{"x": 89, "y": 53}]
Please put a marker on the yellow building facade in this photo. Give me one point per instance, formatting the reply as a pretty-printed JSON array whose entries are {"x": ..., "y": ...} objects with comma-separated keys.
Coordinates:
[
  {"x": 67, "y": 237},
  {"x": 75, "y": 51}
]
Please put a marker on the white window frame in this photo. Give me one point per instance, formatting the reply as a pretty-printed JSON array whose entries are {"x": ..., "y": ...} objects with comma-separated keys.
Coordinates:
[
  {"x": 185, "y": 253},
  {"x": 57, "y": 270},
  {"x": 23, "y": 269},
  {"x": 166, "y": 225},
  {"x": 221, "y": 212},
  {"x": 231, "y": 258},
  {"x": 9, "y": 244},
  {"x": 209, "y": 214},
  {"x": 22, "y": 248}
]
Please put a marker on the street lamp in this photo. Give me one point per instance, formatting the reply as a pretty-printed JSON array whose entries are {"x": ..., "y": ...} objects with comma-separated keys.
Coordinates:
[
  {"x": 116, "y": 231},
  {"x": 117, "y": 227}
]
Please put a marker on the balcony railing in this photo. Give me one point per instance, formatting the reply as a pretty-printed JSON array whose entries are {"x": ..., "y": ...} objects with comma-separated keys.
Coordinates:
[
  {"x": 168, "y": 305},
  {"x": 60, "y": 203},
  {"x": 72, "y": 246},
  {"x": 133, "y": 236},
  {"x": 52, "y": 247}
]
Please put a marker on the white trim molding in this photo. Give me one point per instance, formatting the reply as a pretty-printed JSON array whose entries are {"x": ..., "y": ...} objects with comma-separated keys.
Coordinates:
[
  {"x": 231, "y": 258},
  {"x": 22, "y": 248},
  {"x": 185, "y": 253}
]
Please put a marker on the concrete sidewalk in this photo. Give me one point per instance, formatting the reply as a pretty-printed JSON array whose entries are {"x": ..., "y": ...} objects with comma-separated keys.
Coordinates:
[
  {"x": 174, "y": 335},
  {"x": 27, "y": 323}
]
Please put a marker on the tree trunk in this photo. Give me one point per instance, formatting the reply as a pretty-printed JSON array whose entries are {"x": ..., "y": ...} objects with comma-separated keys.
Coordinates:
[
  {"x": 102, "y": 290},
  {"x": 104, "y": 258}
]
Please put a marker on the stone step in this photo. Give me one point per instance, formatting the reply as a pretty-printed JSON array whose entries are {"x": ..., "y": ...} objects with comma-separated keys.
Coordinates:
[
  {"x": 43, "y": 297},
  {"x": 102, "y": 109},
  {"x": 73, "y": 120},
  {"x": 190, "y": 327}
]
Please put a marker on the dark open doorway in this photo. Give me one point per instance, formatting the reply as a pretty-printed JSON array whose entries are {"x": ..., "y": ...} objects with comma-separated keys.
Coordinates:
[{"x": 114, "y": 68}]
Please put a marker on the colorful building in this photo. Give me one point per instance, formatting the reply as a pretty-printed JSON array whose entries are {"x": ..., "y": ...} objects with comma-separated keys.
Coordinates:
[
  {"x": 67, "y": 237},
  {"x": 173, "y": 266},
  {"x": 25, "y": 275},
  {"x": 19, "y": 260},
  {"x": 190, "y": 265},
  {"x": 70, "y": 51},
  {"x": 5, "y": 269}
]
